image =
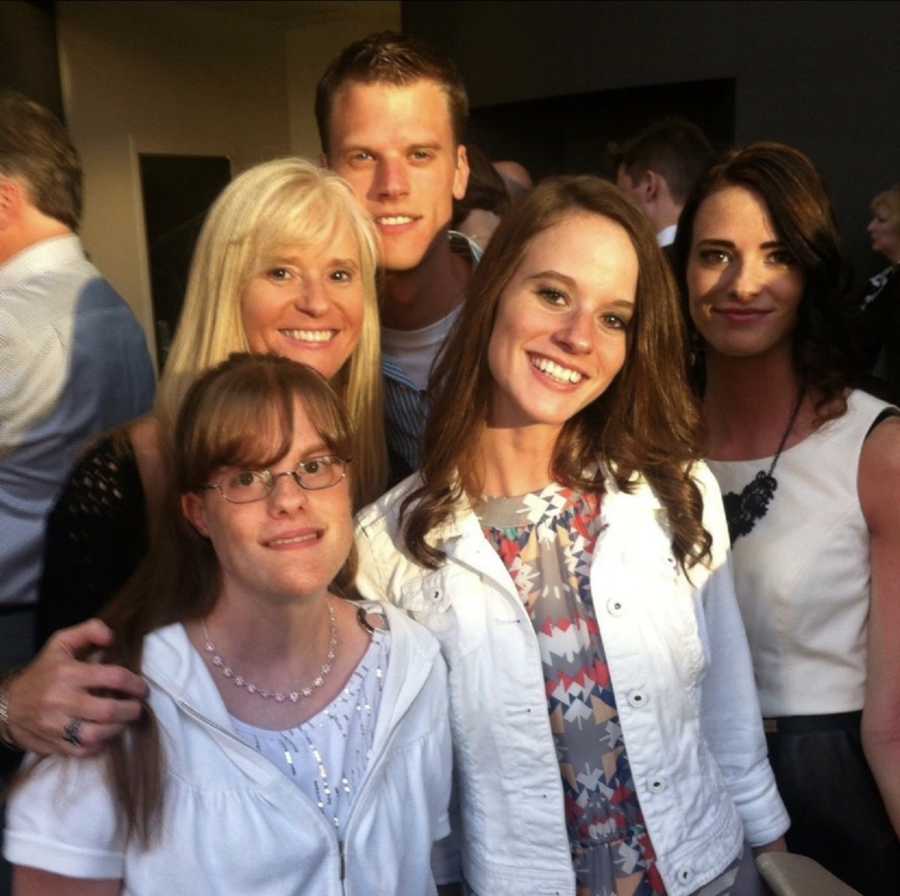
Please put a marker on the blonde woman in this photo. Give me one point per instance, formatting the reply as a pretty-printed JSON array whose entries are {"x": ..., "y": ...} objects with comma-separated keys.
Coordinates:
[
  {"x": 880, "y": 305},
  {"x": 285, "y": 264}
]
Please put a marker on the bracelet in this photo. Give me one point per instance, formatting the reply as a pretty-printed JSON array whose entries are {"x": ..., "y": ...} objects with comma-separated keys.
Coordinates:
[{"x": 6, "y": 737}]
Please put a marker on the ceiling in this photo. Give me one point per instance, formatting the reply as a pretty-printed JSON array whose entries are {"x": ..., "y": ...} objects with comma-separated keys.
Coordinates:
[{"x": 294, "y": 13}]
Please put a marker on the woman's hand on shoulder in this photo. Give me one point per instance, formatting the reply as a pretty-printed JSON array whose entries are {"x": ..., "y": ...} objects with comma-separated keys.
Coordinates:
[{"x": 58, "y": 689}]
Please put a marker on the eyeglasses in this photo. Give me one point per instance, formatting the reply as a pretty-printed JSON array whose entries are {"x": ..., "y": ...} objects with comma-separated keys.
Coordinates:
[{"x": 245, "y": 486}]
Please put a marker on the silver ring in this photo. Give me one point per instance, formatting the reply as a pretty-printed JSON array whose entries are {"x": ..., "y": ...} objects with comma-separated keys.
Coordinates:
[{"x": 70, "y": 733}]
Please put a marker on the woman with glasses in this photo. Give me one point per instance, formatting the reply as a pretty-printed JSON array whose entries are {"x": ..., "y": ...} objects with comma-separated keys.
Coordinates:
[
  {"x": 294, "y": 742},
  {"x": 285, "y": 264}
]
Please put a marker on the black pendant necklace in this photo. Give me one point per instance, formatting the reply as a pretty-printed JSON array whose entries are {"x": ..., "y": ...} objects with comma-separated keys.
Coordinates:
[{"x": 744, "y": 510}]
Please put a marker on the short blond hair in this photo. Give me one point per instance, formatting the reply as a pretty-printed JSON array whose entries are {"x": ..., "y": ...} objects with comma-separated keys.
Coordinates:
[
  {"x": 889, "y": 199},
  {"x": 284, "y": 202}
]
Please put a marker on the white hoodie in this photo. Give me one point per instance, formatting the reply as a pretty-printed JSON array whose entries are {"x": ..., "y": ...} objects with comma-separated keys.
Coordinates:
[{"x": 233, "y": 824}]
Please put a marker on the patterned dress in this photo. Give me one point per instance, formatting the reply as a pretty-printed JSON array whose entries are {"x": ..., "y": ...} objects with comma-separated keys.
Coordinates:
[{"x": 546, "y": 540}]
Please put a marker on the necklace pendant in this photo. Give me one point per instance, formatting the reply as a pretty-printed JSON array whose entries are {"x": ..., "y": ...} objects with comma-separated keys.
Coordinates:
[
  {"x": 744, "y": 510},
  {"x": 266, "y": 694}
]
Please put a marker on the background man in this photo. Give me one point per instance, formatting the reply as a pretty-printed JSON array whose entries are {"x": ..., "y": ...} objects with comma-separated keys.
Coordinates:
[
  {"x": 73, "y": 359},
  {"x": 391, "y": 116},
  {"x": 658, "y": 169}
]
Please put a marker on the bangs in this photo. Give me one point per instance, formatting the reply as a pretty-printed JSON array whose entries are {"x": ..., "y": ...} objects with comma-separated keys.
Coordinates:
[
  {"x": 249, "y": 421},
  {"x": 315, "y": 220}
]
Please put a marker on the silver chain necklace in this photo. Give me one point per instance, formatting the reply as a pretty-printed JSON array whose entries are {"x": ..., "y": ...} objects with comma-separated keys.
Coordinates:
[{"x": 293, "y": 695}]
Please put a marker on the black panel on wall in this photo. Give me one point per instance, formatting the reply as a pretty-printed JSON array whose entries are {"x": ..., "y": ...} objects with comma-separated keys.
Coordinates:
[
  {"x": 178, "y": 191},
  {"x": 28, "y": 57},
  {"x": 571, "y": 134},
  {"x": 821, "y": 76}
]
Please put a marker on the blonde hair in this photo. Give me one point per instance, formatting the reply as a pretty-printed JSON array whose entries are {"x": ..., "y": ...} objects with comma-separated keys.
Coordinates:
[{"x": 285, "y": 202}]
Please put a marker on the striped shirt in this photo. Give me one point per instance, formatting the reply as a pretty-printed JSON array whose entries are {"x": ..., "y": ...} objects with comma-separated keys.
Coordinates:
[{"x": 406, "y": 403}]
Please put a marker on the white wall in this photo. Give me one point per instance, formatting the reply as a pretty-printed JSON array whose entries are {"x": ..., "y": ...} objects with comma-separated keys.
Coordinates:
[
  {"x": 167, "y": 78},
  {"x": 189, "y": 79}
]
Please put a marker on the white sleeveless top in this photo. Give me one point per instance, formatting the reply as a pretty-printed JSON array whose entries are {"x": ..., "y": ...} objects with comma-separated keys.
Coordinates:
[{"x": 802, "y": 574}]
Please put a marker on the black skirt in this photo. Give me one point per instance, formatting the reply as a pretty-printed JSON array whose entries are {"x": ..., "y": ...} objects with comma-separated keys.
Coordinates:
[{"x": 837, "y": 815}]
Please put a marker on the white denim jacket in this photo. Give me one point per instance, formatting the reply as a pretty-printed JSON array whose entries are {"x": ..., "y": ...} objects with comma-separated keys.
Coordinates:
[
  {"x": 233, "y": 823},
  {"x": 682, "y": 675}
]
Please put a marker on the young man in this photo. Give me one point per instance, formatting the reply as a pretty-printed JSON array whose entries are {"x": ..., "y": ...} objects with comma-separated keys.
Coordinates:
[
  {"x": 391, "y": 115},
  {"x": 658, "y": 169}
]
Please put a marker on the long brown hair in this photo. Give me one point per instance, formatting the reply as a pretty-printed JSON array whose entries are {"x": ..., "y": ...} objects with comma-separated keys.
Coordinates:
[
  {"x": 646, "y": 422},
  {"x": 797, "y": 201},
  {"x": 240, "y": 413}
]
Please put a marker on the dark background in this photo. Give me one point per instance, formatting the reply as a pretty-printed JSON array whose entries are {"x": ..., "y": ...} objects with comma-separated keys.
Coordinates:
[
  {"x": 822, "y": 76},
  {"x": 551, "y": 83}
]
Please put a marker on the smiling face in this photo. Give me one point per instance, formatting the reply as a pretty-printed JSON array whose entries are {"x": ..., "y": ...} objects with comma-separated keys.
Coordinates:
[
  {"x": 560, "y": 335},
  {"x": 395, "y": 146},
  {"x": 287, "y": 546},
  {"x": 744, "y": 286},
  {"x": 884, "y": 230},
  {"x": 307, "y": 304}
]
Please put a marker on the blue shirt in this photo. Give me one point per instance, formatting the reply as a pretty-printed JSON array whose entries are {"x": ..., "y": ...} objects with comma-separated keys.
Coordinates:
[
  {"x": 406, "y": 404},
  {"x": 73, "y": 362}
]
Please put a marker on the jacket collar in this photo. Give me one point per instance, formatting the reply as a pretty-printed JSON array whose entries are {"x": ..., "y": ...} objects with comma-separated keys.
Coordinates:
[
  {"x": 173, "y": 664},
  {"x": 616, "y": 504},
  {"x": 40, "y": 257}
]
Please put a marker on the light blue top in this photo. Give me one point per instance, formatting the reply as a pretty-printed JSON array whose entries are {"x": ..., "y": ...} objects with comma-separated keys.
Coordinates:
[{"x": 73, "y": 362}]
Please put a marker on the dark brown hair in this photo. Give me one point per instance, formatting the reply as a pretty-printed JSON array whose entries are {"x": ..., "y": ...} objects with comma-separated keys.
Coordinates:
[
  {"x": 797, "y": 201},
  {"x": 646, "y": 422},
  {"x": 390, "y": 58},
  {"x": 674, "y": 147},
  {"x": 485, "y": 189},
  {"x": 35, "y": 147},
  {"x": 240, "y": 413}
]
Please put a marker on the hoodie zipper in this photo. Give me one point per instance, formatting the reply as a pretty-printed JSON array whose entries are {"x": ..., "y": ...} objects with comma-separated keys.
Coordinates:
[
  {"x": 374, "y": 769},
  {"x": 208, "y": 723}
]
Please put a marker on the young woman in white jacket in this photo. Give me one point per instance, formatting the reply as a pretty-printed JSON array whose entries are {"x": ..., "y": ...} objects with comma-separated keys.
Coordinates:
[
  {"x": 569, "y": 551},
  {"x": 296, "y": 742}
]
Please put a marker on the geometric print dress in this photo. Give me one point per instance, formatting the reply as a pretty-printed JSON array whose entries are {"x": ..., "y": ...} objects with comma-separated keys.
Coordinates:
[{"x": 546, "y": 540}]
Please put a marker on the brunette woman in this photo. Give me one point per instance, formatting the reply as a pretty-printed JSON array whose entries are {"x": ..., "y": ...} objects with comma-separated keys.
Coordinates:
[
  {"x": 569, "y": 551},
  {"x": 285, "y": 263},
  {"x": 296, "y": 742},
  {"x": 811, "y": 475}
]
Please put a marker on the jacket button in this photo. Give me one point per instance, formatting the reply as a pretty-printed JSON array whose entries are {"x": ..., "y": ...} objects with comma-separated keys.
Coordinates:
[
  {"x": 684, "y": 875},
  {"x": 657, "y": 785},
  {"x": 637, "y": 699},
  {"x": 615, "y": 607}
]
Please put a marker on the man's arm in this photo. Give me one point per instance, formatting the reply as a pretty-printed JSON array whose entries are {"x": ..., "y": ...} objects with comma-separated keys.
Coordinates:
[{"x": 58, "y": 687}]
